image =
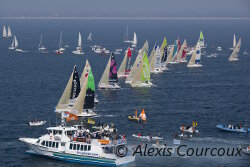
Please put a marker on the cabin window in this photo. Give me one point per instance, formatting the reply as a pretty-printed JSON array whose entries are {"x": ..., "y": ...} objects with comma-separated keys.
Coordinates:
[
  {"x": 60, "y": 132},
  {"x": 74, "y": 148},
  {"x": 47, "y": 144},
  {"x": 89, "y": 147},
  {"x": 50, "y": 143},
  {"x": 54, "y": 144},
  {"x": 81, "y": 147},
  {"x": 43, "y": 143},
  {"x": 78, "y": 146},
  {"x": 63, "y": 144},
  {"x": 38, "y": 140},
  {"x": 85, "y": 148}
]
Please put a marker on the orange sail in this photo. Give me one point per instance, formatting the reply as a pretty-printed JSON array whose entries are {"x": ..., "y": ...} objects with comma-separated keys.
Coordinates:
[
  {"x": 135, "y": 113},
  {"x": 143, "y": 115}
]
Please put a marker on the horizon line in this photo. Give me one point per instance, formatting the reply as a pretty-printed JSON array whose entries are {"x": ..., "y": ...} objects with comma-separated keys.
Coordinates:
[{"x": 126, "y": 18}]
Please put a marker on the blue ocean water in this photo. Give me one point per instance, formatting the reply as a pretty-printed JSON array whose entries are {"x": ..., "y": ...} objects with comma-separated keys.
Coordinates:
[{"x": 32, "y": 83}]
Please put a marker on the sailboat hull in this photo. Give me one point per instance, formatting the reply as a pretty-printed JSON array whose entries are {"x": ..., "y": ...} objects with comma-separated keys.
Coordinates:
[
  {"x": 233, "y": 59},
  {"x": 142, "y": 84},
  {"x": 194, "y": 65},
  {"x": 77, "y": 52},
  {"x": 113, "y": 86}
]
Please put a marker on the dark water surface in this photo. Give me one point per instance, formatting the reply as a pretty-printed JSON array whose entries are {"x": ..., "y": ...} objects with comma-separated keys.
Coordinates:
[{"x": 32, "y": 83}]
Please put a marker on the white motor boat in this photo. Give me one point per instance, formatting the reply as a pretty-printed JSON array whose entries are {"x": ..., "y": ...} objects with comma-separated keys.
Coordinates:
[
  {"x": 219, "y": 48},
  {"x": 36, "y": 123}
]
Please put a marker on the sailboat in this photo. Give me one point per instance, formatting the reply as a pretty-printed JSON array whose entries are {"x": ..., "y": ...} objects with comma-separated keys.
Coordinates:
[
  {"x": 174, "y": 53},
  {"x": 9, "y": 33},
  {"x": 125, "y": 39},
  {"x": 78, "y": 50},
  {"x": 234, "y": 43},
  {"x": 181, "y": 56},
  {"x": 71, "y": 92},
  {"x": 163, "y": 51},
  {"x": 134, "y": 40},
  {"x": 155, "y": 63},
  {"x": 89, "y": 37},
  {"x": 196, "y": 57},
  {"x": 41, "y": 46},
  {"x": 234, "y": 55},
  {"x": 109, "y": 78},
  {"x": 142, "y": 76},
  {"x": 84, "y": 75},
  {"x": 5, "y": 35},
  {"x": 201, "y": 40},
  {"x": 16, "y": 44},
  {"x": 125, "y": 68},
  {"x": 137, "y": 62},
  {"x": 61, "y": 49}
]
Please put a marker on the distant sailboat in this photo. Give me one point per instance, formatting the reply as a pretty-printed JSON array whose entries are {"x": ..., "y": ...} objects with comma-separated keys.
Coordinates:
[
  {"x": 5, "y": 35},
  {"x": 163, "y": 51},
  {"x": 12, "y": 46},
  {"x": 142, "y": 76},
  {"x": 9, "y": 32},
  {"x": 155, "y": 63},
  {"x": 126, "y": 39},
  {"x": 61, "y": 49},
  {"x": 125, "y": 66},
  {"x": 181, "y": 56},
  {"x": 16, "y": 45},
  {"x": 78, "y": 50},
  {"x": 134, "y": 40},
  {"x": 90, "y": 37},
  {"x": 234, "y": 55},
  {"x": 41, "y": 46},
  {"x": 137, "y": 62},
  {"x": 174, "y": 53},
  {"x": 109, "y": 78},
  {"x": 195, "y": 60},
  {"x": 70, "y": 94},
  {"x": 234, "y": 43},
  {"x": 201, "y": 40}
]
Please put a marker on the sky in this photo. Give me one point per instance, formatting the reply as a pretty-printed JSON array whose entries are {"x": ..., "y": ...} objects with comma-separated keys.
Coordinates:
[{"x": 126, "y": 8}]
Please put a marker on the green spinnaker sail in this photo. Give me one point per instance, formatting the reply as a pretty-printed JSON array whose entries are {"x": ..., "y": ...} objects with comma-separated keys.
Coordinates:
[
  {"x": 145, "y": 69},
  {"x": 91, "y": 81},
  {"x": 201, "y": 36}
]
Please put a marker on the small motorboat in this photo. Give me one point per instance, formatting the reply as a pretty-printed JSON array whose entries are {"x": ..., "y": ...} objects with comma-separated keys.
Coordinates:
[
  {"x": 36, "y": 123},
  {"x": 246, "y": 150},
  {"x": 148, "y": 138},
  {"x": 188, "y": 129},
  {"x": 233, "y": 128},
  {"x": 219, "y": 48},
  {"x": 245, "y": 53}
]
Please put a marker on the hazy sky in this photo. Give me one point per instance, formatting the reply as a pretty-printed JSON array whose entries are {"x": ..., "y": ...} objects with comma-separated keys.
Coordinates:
[{"x": 126, "y": 8}]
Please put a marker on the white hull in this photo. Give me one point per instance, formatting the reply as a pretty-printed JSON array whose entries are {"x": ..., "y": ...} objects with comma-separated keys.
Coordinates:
[
  {"x": 128, "y": 41},
  {"x": 142, "y": 84},
  {"x": 182, "y": 61},
  {"x": 11, "y": 48},
  {"x": 78, "y": 52},
  {"x": 18, "y": 50},
  {"x": 194, "y": 65},
  {"x": 233, "y": 59},
  {"x": 173, "y": 62},
  {"x": 157, "y": 71},
  {"x": 122, "y": 75},
  {"x": 133, "y": 45},
  {"x": 37, "y": 123},
  {"x": 42, "y": 48},
  {"x": 113, "y": 86}
]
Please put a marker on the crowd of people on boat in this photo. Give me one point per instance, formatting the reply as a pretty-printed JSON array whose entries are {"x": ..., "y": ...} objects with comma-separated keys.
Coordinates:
[{"x": 231, "y": 126}]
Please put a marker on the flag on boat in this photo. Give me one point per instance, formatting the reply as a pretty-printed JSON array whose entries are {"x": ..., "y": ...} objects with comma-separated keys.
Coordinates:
[
  {"x": 91, "y": 121},
  {"x": 194, "y": 124},
  {"x": 69, "y": 116}
]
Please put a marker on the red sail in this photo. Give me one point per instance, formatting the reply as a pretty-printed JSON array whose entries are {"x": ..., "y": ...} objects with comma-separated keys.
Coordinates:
[{"x": 129, "y": 53}]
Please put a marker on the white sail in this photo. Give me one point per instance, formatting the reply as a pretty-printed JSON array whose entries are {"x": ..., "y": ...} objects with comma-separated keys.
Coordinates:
[
  {"x": 157, "y": 61},
  {"x": 9, "y": 32},
  {"x": 135, "y": 39},
  {"x": 16, "y": 43},
  {"x": 79, "y": 40},
  {"x": 90, "y": 37},
  {"x": 234, "y": 55},
  {"x": 65, "y": 98},
  {"x": 234, "y": 42},
  {"x": 77, "y": 108},
  {"x": 85, "y": 73},
  {"x": 151, "y": 54},
  {"x": 105, "y": 76},
  {"x": 170, "y": 55},
  {"x": 137, "y": 75},
  {"x": 4, "y": 32},
  {"x": 125, "y": 38},
  {"x": 60, "y": 42},
  {"x": 121, "y": 70},
  {"x": 13, "y": 42}
]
